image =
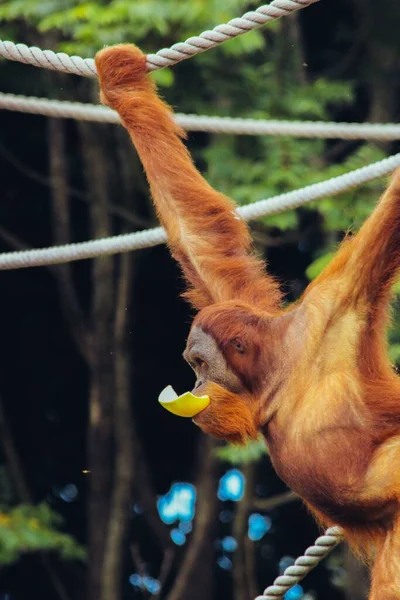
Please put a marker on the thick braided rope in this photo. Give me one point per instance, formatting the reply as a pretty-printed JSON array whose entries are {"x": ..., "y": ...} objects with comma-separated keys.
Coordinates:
[
  {"x": 316, "y": 191},
  {"x": 59, "y": 61},
  {"x": 153, "y": 237},
  {"x": 309, "y": 129},
  {"x": 304, "y": 564},
  {"x": 209, "y": 39}
]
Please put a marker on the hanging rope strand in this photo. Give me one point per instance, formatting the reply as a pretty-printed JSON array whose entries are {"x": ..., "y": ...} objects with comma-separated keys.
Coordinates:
[
  {"x": 59, "y": 61},
  {"x": 304, "y": 564}
]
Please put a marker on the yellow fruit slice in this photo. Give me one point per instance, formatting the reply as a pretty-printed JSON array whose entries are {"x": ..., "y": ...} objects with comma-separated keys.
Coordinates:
[{"x": 186, "y": 405}]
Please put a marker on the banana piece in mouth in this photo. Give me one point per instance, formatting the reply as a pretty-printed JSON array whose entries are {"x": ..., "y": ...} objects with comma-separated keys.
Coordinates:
[{"x": 185, "y": 405}]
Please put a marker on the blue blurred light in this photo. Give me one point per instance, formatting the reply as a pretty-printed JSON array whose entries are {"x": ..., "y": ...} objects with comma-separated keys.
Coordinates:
[
  {"x": 178, "y": 504},
  {"x": 69, "y": 493},
  {"x": 225, "y": 563},
  {"x": 152, "y": 585},
  {"x": 178, "y": 537},
  {"x": 137, "y": 509},
  {"x": 258, "y": 526},
  {"x": 135, "y": 580},
  {"x": 285, "y": 562},
  {"x": 146, "y": 582},
  {"x": 295, "y": 593},
  {"x": 185, "y": 527},
  {"x": 231, "y": 486},
  {"x": 229, "y": 544}
]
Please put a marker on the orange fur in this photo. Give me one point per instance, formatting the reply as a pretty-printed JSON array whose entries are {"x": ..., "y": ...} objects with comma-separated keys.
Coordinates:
[
  {"x": 318, "y": 382},
  {"x": 205, "y": 234},
  {"x": 229, "y": 417}
]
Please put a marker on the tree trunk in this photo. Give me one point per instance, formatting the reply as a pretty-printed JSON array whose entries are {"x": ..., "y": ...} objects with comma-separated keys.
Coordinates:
[
  {"x": 195, "y": 578},
  {"x": 292, "y": 50},
  {"x": 244, "y": 582},
  {"x": 100, "y": 430},
  {"x": 123, "y": 432},
  {"x": 147, "y": 498},
  {"x": 61, "y": 222},
  {"x": 14, "y": 466},
  {"x": 380, "y": 64}
]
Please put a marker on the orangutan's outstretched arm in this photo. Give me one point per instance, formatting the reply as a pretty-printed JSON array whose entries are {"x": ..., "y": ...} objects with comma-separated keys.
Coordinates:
[
  {"x": 366, "y": 265},
  {"x": 205, "y": 234}
]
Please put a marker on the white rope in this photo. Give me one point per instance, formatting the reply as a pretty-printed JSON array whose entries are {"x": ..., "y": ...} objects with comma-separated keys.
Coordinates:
[
  {"x": 309, "y": 129},
  {"x": 300, "y": 129},
  {"x": 58, "y": 108},
  {"x": 153, "y": 237},
  {"x": 316, "y": 191},
  {"x": 59, "y": 61},
  {"x": 47, "y": 59},
  {"x": 209, "y": 39},
  {"x": 304, "y": 564}
]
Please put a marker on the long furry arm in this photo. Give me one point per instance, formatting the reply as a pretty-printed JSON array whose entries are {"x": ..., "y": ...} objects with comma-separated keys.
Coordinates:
[
  {"x": 206, "y": 236},
  {"x": 366, "y": 264}
]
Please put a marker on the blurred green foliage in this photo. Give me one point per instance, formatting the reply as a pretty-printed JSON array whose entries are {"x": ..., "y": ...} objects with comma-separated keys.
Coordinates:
[
  {"x": 27, "y": 528},
  {"x": 238, "y": 455}
]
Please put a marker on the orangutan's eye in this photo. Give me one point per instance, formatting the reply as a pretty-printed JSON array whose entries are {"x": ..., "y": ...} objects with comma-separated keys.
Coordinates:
[
  {"x": 238, "y": 345},
  {"x": 198, "y": 363}
]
